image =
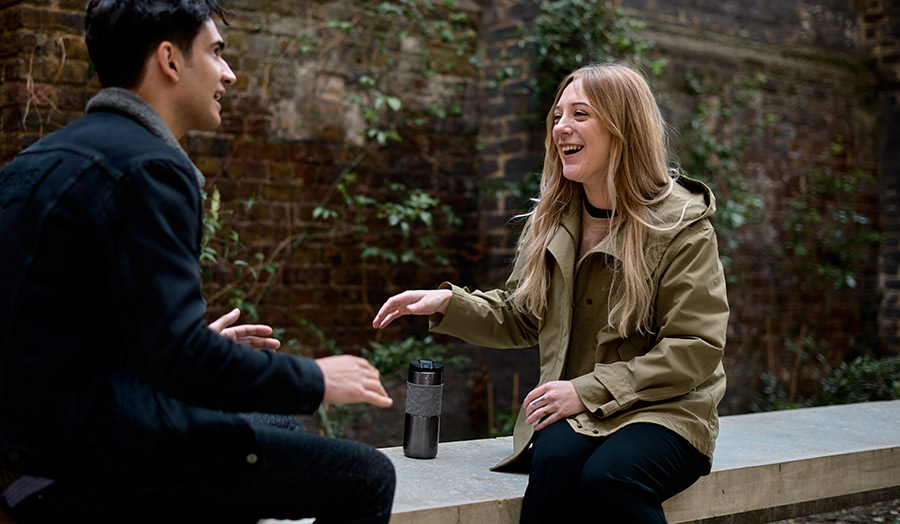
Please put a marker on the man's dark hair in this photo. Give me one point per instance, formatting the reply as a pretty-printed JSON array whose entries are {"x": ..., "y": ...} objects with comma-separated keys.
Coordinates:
[{"x": 121, "y": 34}]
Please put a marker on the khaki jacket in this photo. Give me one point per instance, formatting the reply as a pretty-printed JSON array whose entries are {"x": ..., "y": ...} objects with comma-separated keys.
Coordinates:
[{"x": 672, "y": 377}]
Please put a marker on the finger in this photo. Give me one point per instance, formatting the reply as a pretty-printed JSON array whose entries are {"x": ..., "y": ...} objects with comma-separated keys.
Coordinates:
[
  {"x": 535, "y": 409},
  {"x": 225, "y": 320},
  {"x": 260, "y": 342},
  {"x": 385, "y": 316},
  {"x": 379, "y": 388},
  {"x": 261, "y": 330},
  {"x": 393, "y": 315},
  {"x": 535, "y": 414},
  {"x": 533, "y": 395},
  {"x": 249, "y": 330},
  {"x": 541, "y": 399},
  {"x": 392, "y": 303},
  {"x": 381, "y": 401},
  {"x": 372, "y": 374},
  {"x": 548, "y": 419},
  {"x": 396, "y": 306},
  {"x": 378, "y": 321},
  {"x": 372, "y": 383},
  {"x": 376, "y": 395}
]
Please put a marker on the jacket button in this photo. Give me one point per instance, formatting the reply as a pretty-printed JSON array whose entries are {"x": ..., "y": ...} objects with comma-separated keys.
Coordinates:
[
  {"x": 590, "y": 301},
  {"x": 252, "y": 458}
]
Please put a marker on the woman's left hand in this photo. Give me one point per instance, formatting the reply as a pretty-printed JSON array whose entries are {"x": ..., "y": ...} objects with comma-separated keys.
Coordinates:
[{"x": 552, "y": 402}]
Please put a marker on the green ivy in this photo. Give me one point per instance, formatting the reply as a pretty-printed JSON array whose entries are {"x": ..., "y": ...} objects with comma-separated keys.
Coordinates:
[
  {"x": 825, "y": 231},
  {"x": 232, "y": 275},
  {"x": 863, "y": 379},
  {"x": 569, "y": 34},
  {"x": 353, "y": 208},
  {"x": 714, "y": 152},
  {"x": 349, "y": 206},
  {"x": 392, "y": 358}
]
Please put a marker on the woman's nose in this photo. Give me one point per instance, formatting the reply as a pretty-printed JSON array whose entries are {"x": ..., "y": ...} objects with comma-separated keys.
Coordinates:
[{"x": 562, "y": 127}]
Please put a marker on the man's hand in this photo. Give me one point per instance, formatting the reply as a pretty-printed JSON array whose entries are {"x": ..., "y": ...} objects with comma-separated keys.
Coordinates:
[
  {"x": 253, "y": 335},
  {"x": 350, "y": 379}
]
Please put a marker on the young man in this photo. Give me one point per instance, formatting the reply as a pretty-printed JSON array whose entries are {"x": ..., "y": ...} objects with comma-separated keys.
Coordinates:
[{"x": 117, "y": 402}]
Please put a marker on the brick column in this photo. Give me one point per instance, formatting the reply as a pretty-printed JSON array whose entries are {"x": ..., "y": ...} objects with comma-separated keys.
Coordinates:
[
  {"x": 880, "y": 26},
  {"x": 512, "y": 131}
]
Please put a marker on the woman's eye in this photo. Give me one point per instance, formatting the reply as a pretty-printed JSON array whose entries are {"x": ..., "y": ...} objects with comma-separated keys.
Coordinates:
[{"x": 556, "y": 118}]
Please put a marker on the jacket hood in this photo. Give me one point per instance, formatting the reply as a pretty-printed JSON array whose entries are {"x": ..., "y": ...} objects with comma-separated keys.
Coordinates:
[{"x": 690, "y": 200}]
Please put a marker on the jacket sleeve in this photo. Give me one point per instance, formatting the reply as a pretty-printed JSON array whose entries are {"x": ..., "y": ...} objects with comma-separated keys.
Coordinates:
[
  {"x": 692, "y": 317},
  {"x": 486, "y": 318},
  {"x": 155, "y": 230}
]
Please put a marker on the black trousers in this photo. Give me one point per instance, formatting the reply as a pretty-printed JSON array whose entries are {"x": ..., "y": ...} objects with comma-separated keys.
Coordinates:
[
  {"x": 304, "y": 475},
  {"x": 619, "y": 479}
]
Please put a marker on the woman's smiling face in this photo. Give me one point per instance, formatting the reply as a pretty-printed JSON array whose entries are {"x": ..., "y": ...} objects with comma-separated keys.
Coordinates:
[{"x": 581, "y": 138}]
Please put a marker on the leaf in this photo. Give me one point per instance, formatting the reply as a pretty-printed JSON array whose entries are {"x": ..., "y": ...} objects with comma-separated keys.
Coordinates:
[{"x": 394, "y": 103}]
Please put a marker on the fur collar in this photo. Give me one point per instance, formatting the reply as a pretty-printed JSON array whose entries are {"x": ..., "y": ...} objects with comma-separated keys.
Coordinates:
[{"x": 126, "y": 103}]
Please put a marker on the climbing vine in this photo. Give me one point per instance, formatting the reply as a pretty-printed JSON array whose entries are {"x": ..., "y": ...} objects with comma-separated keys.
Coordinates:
[
  {"x": 569, "y": 34},
  {"x": 713, "y": 148},
  {"x": 387, "y": 223},
  {"x": 392, "y": 222}
]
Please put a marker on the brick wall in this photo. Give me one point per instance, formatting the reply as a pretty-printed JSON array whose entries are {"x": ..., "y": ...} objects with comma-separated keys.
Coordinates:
[
  {"x": 879, "y": 23},
  {"x": 821, "y": 90},
  {"x": 44, "y": 77},
  {"x": 292, "y": 123}
]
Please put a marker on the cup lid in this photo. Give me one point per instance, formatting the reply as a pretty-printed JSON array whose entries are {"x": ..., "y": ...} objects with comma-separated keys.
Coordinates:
[{"x": 425, "y": 365}]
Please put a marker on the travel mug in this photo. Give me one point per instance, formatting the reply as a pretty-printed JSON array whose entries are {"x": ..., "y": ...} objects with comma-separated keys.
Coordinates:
[{"x": 424, "y": 389}]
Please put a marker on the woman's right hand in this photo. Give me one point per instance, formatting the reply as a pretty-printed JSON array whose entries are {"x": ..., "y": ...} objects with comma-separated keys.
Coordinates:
[{"x": 414, "y": 302}]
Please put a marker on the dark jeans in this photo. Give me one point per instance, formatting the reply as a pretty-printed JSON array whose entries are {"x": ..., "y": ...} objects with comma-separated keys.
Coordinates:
[
  {"x": 619, "y": 479},
  {"x": 305, "y": 475}
]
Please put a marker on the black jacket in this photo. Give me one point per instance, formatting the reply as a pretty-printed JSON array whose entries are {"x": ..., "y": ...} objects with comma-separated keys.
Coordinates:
[{"x": 106, "y": 363}]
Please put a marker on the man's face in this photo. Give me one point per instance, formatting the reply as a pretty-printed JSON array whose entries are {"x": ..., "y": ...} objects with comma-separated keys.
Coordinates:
[{"x": 205, "y": 76}]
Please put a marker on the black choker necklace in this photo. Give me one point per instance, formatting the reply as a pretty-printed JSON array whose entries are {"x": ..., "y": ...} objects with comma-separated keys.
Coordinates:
[{"x": 596, "y": 212}]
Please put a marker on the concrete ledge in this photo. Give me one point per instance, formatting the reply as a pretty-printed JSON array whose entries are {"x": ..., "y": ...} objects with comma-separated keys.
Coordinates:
[{"x": 767, "y": 466}]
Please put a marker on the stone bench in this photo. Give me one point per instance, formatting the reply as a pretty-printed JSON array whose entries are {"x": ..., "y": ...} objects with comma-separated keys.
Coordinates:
[{"x": 767, "y": 466}]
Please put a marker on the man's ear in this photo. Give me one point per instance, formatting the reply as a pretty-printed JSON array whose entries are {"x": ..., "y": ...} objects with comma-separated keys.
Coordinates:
[{"x": 169, "y": 61}]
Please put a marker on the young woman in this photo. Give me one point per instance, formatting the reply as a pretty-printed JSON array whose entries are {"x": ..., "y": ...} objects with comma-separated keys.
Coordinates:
[{"x": 617, "y": 278}]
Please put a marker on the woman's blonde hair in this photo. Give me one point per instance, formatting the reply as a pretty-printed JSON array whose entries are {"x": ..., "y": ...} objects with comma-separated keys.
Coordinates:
[{"x": 638, "y": 177}]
